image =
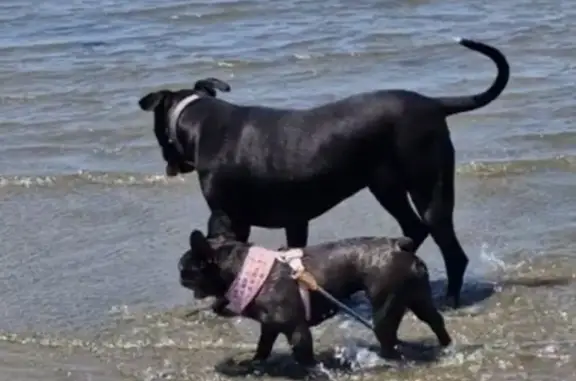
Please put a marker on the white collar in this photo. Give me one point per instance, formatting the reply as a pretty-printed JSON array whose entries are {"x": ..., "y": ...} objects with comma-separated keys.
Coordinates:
[{"x": 174, "y": 115}]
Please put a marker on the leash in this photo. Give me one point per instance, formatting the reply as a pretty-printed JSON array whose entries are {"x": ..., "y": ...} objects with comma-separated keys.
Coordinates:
[{"x": 308, "y": 280}]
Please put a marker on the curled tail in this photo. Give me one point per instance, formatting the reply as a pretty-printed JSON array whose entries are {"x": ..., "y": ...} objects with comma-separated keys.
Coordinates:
[{"x": 455, "y": 105}]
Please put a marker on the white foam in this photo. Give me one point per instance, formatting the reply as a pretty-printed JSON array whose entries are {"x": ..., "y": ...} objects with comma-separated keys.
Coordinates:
[
  {"x": 122, "y": 311},
  {"x": 357, "y": 356},
  {"x": 488, "y": 256}
]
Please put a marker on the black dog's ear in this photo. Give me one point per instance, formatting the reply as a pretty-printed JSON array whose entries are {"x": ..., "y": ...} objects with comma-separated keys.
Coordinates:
[
  {"x": 405, "y": 244},
  {"x": 150, "y": 101},
  {"x": 210, "y": 85},
  {"x": 199, "y": 244}
]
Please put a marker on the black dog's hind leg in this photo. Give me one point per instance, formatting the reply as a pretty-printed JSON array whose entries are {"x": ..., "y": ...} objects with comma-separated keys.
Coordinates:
[
  {"x": 297, "y": 235},
  {"x": 220, "y": 225},
  {"x": 392, "y": 195},
  {"x": 435, "y": 201}
]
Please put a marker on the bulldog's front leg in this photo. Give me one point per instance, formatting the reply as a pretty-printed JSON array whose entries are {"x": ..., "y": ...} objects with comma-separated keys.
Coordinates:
[
  {"x": 301, "y": 341},
  {"x": 268, "y": 336},
  {"x": 219, "y": 307}
]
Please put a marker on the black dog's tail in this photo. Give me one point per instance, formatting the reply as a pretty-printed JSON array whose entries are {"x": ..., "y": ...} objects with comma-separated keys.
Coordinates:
[{"x": 455, "y": 105}]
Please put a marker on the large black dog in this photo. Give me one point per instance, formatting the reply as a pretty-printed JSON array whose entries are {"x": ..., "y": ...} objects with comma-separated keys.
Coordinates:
[
  {"x": 394, "y": 279},
  {"x": 280, "y": 168}
]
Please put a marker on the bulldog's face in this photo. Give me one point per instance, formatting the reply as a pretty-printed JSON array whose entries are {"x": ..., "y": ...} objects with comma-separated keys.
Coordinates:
[{"x": 199, "y": 270}]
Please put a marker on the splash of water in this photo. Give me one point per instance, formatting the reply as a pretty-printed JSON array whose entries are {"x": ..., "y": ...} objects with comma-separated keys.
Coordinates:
[
  {"x": 358, "y": 356},
  {"x": 489, "y": 257}
]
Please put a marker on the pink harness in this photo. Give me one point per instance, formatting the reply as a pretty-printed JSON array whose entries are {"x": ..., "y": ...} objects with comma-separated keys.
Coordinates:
[{"x": 255, "y": 269}]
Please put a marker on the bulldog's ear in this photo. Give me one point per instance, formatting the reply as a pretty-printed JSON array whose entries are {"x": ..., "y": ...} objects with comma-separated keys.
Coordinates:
[
  {"x": 199, "y": 244},
  {"x": 150, "y": 101},
  {"x": 210, "y": 85}
]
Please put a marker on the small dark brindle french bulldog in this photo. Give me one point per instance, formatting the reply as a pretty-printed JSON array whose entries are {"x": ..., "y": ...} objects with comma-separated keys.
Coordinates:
[{"x": 386, "y": 268}]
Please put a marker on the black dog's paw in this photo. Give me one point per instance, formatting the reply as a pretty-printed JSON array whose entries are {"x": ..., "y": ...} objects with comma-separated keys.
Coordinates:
[
  {"x": 391, "y": 354},
  {"x": 448, "y": 350},
  {"x": 451, "y": 301},
  {"x": 252, "y": 363}
]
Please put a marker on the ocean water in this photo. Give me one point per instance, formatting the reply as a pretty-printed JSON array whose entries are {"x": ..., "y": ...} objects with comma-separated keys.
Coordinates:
[{"x": 92, "y": 230}]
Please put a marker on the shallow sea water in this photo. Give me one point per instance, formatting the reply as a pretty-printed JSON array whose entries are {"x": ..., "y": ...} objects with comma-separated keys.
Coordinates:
[{"x": 92, "y": 230}]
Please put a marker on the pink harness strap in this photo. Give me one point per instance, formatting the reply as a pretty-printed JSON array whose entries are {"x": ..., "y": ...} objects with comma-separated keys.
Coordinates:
[{"x": 255, "y": 269}]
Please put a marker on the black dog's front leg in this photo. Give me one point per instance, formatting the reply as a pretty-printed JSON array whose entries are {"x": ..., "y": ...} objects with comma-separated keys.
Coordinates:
[
  {"x": 221, "y": 225},
  {"x": 297, "y": 235}
]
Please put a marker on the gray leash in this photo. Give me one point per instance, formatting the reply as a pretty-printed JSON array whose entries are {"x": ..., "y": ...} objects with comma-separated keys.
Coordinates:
[{"x": 308, "y": 280}]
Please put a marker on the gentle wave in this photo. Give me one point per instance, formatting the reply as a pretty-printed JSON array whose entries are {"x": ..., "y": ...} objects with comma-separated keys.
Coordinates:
[
  {"x": 502, "y": 168},
  {"x": 314, "y": 48},
  {"x": 492, "y": 168},
  {"x": 53, "y": 341},
  {"x": 88, "y": 178},
  {"x": 188, "y": 59}
]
